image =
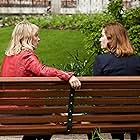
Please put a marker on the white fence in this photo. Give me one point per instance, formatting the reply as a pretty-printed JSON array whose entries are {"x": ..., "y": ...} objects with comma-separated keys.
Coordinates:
[{"x": 57, "y": 6}]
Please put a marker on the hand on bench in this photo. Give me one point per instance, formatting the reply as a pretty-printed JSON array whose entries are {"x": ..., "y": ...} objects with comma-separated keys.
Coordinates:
[{"x": 74, "y": 82}]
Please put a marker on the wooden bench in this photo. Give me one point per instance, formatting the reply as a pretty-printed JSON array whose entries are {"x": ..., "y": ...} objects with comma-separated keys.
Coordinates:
[{"x": 34, "y": 105}]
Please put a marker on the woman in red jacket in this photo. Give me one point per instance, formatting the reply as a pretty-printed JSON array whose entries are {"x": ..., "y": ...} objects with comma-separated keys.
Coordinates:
[{"x": 21, "y": 61}]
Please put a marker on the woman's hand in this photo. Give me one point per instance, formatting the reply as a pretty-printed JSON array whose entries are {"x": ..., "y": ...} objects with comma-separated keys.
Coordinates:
[{"x": 74, "y": 82}]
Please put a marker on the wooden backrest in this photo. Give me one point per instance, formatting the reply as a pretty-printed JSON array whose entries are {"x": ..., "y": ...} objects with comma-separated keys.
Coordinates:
[
  {"x": 110, "y": 103},
  {"x": 39, "y": 105}
]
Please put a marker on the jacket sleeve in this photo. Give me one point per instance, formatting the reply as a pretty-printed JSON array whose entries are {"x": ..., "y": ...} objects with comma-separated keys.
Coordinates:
[
  {"x": 33, "y": 65},
  {"x": 97, "y": 67}
]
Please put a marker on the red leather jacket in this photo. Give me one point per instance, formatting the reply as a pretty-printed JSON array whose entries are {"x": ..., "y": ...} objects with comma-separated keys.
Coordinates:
[{"x": 26, "y": 64}]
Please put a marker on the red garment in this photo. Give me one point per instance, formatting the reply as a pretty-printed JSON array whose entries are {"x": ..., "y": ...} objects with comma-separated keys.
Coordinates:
[{"x": 26, "y": 64}]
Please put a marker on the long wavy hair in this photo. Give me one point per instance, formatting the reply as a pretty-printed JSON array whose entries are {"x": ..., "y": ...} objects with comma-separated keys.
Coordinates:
[
  {"x": 118, "y": 41},
  {"x": 22, "y": 38}
]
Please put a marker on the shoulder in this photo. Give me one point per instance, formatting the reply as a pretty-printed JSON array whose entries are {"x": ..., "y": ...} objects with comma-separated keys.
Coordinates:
[
  {"x": 135, "y": 58},
  {"x": 27, "y": 53},
  {"x": 104, "y": 57}
]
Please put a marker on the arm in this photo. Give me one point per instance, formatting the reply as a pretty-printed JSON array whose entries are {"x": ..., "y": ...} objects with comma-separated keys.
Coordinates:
[
  {"x": 97, "y": 68},
  {"x": 33, "y": 65}
]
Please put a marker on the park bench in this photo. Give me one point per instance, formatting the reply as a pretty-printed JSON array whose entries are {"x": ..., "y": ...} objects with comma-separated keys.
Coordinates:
[{"x": 47, "y": 105}]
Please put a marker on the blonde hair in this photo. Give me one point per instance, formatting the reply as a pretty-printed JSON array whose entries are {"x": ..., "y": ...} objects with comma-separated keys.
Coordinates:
[
  {"x": 22, "y": 38},
  {"x": 117, "y": 36}
]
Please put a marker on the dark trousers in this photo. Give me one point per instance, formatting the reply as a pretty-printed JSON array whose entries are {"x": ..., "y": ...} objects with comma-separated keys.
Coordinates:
[
  {"x": 47, "y": 137},
  {"x": 120, "y": 136}
]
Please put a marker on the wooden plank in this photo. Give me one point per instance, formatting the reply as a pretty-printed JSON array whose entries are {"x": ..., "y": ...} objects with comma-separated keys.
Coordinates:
[
  {"x": 63, "y": 109},
  {"x": 35, "y": 101},
  {"x": 109, "y": 78},
  {"x": 22, "y": 110},
  {"x": 54, "y": 129},
  {"x": 111, "y": 85},
  {"x": 34, "y": 93},
  {"x": 64, "y": 101},
  {"x": 24, "y": 119},
  {"x": 107, "y": 109},
  {"x": 33, "y": 85},
  {"x": 83, "y": 79},
  {"x": 107, "y": 101},
  {"x": 107, "y": 92},
  {"x": 64, "y": 93},
  {"x": 107, "y": 118},
  {"x": 106, "y": 127}
]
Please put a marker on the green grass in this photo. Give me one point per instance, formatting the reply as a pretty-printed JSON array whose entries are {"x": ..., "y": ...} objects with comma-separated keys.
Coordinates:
[{"x": 54, "y": 47}]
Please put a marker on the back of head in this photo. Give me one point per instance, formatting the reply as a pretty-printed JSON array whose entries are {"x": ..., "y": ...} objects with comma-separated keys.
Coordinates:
[
  {"x": 22, "y": 38},
  {"x": 118, "y": 42}
]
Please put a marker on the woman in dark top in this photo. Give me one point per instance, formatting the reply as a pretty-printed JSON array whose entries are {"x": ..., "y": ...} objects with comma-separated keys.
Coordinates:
[{"x": 118, "y": 59}]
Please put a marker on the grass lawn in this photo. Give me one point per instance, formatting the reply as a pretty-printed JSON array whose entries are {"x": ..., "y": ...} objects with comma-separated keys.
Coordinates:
[{"x": 54, "y": 47}]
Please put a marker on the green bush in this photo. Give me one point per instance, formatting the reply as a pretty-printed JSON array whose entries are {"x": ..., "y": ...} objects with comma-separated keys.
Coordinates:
[
  {"x": 115, "y": 8},
  {"x": 47, "y": 21},
  {"x": 131, "y": 17},
  {"x": 91, "y": 27},
  {"x": 134, "y": 35},
  {"x": 79, "y": 63}
]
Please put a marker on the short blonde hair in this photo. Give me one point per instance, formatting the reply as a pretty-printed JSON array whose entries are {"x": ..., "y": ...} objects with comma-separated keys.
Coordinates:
[
  {"x": 22, "y": 38},
  {"x": 117, "y": 36}
]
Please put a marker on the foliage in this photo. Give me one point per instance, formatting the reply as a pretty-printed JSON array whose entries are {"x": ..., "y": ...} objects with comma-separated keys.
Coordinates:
[
  {"x": 97, "y": 135},
  {"x": 134, "y": 35},
  {"x": 131, "y": 17},
  {"x": 81, "y": 65},
  {"x": 91, "y": 27},
  {"x": 7, "y": 21},
  {"x": 47, "y": 21},
  {"x": 115, "y": 8}
]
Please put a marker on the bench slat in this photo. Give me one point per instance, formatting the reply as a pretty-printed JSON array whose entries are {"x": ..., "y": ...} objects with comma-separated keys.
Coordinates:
[
  {"x": 107, "y": 118},
  {"x": 25, "y": 119},
  {"x": 107, "y": 109},
  {"x": 64, "y": 93},
  {"x": 77, "y": 128},
  {"x": 34, "y": 93},
  {"x": 32, "y": 110},
  {"x": 108, "y": 92},
  {"x": 111, "y": 85},
  {"x": 63, "y": 109},
  {"x": 63, "y": 119},
  {"x": 35, "y": 102},
  {"x": 64, "y": 101}
]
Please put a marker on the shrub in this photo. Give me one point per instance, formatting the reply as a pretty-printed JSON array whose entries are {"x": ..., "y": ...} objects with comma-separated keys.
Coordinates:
[
  {"x": 131, "y": 17},
  {"x": 91, "y": 27},
  {"x": 115, "y": 8},
  {"x": 134, "y": 35},
  {"x": 81, "y": 65}
]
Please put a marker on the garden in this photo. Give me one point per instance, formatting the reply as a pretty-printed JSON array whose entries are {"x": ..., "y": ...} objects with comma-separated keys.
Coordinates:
[{"x": 70, "y": 42}]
